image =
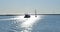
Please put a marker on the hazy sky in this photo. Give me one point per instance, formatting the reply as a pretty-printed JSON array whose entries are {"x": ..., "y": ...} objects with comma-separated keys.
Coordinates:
[{"x": 23, "y": 6}]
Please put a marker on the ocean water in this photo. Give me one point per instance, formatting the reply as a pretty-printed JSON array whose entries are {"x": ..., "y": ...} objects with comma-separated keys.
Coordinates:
[{"x": 41, "y": 23}]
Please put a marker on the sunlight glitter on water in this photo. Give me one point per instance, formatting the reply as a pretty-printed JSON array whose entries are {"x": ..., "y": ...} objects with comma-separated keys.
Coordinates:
[{"x": 27, "y": 23}]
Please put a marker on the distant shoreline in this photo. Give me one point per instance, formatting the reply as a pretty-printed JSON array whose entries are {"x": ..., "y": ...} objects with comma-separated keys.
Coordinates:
[{"x": 24, "y": 14}]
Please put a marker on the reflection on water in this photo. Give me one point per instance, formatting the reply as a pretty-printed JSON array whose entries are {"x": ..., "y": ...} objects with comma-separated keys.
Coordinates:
[
  {"x": 18, "y": 23},
  {"x": 42, "y": 23},
  {"x": 27, "y": 23}
]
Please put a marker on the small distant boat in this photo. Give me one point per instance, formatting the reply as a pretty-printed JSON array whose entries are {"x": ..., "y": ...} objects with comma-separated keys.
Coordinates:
[{"x": 28, "y": 15}]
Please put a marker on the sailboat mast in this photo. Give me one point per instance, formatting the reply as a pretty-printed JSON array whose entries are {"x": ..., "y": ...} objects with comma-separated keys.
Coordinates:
[{"x": 35, "y": 13}]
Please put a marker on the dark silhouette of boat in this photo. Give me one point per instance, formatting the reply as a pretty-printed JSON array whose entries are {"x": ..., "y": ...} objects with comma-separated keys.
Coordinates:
[{"x": 28, "y": 15}]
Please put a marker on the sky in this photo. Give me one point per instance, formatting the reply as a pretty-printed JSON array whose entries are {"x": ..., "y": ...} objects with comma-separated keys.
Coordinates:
[{"x": 29, "y": 6}]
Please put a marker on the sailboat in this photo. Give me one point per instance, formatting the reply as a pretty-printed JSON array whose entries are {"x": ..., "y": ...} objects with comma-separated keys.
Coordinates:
[{"x": 28, "y": 15}]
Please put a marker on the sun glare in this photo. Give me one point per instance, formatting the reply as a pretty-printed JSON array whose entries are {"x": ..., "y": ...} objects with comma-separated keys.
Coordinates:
[{"x": 27, "y": 23}]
